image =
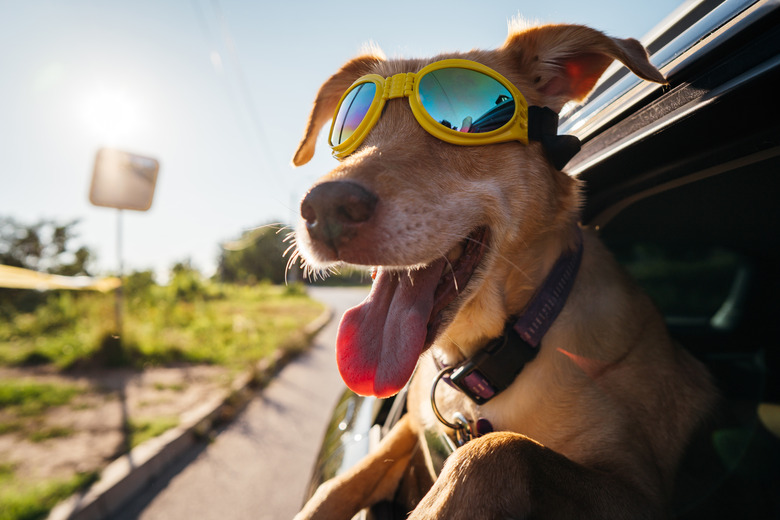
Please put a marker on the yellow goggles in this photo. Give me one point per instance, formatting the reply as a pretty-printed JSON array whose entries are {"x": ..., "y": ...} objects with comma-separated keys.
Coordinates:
[{"x": 458, "y": 101}]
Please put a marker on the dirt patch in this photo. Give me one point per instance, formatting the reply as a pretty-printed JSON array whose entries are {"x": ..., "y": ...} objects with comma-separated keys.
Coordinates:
[{"x": 98, "y": 424}]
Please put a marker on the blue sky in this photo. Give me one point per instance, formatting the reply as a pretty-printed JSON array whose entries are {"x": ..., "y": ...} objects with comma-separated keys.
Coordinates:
[{"x": 219, "y": 92}]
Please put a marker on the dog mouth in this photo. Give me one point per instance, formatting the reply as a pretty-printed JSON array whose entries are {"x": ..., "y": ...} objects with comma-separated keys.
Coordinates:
[
  {"x": 380, "y": 340},
  {"x": 462, "y": 262}
]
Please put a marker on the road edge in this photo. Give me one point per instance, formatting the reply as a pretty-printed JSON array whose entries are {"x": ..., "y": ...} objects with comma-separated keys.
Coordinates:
[{"x": 128, "y": 475}]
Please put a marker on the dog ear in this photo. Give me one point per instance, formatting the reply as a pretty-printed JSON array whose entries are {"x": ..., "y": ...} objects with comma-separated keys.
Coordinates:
[
  {"x": 566, "y": 61},
  {"x": 327, "y": 98}
]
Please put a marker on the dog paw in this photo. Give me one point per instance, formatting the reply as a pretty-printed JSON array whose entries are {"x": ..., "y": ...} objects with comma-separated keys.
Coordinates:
[
  {"x": 325, "y": 504},
  {"x": 483, "y": 479}
]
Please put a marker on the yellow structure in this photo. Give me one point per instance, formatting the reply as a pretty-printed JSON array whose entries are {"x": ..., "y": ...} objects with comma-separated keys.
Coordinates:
[{"x": 18, "y": 278}]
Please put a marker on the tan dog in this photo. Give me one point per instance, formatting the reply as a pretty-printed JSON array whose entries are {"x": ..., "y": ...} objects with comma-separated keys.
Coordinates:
[{"x": 464, "y": 236}]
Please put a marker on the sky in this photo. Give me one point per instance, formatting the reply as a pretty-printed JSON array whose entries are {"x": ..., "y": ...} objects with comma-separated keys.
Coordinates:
[{"x": 218, "y": 91}]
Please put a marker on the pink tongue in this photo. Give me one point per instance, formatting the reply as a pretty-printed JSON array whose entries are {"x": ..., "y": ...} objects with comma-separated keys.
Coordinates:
[{"x": 380, "y": 340}]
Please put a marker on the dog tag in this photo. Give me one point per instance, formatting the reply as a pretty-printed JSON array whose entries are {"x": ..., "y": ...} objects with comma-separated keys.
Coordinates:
[{"x": 463, "y": 431}]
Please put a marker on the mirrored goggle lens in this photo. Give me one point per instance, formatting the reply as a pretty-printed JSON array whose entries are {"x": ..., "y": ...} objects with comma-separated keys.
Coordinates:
[
  {"x": 352, "y": 111},
  {"x": 466, "y": 100}
]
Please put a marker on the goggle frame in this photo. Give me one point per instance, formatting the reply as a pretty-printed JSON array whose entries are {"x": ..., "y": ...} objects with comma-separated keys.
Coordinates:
[{"x": 406, "y": 84}]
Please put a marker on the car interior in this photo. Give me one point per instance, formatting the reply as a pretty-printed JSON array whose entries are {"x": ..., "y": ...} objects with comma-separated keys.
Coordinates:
[
  {"x": 707, "y": 248},
  {"x": 685, "y": 192}
]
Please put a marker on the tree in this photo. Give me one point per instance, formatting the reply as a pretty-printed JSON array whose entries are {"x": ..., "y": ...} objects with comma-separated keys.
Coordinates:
[
  {"x": 43, "y": 246},
  {"x": 260, "y": 255},
  {"x": 257, "y": 255},
  {"x": 186, "y": 282}
]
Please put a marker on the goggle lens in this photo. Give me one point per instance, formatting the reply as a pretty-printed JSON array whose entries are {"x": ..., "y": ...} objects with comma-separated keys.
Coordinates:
[
  {"x": 352, "y": 111},
  {"x": 466, "y": 100}
]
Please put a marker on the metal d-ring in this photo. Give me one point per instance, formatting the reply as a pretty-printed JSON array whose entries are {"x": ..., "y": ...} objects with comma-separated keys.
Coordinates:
[
  {"x": 461, "y": 427},
  {"x": 442, "y": 373},
  {"x": 460, "y": 421}
]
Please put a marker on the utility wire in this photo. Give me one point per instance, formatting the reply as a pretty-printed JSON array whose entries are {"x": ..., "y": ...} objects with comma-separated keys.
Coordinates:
[{"x": 245, "y": 105}]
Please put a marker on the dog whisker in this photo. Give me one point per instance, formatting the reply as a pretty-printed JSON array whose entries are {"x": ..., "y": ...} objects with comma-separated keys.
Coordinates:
[
  {"x": 489, "y": 247},
  {"x": 293, "y": 247},
  {"x": 456, "y": 344},
  {"x": 452, "y": 270},
  {"x": 283, "y": 228},
  {"x": 290, "y": 264},
  {"x": 289, "y": 237}
]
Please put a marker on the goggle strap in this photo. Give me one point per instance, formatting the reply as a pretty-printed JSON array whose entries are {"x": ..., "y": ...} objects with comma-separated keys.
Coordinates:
[{"x": 543, "y": 127}]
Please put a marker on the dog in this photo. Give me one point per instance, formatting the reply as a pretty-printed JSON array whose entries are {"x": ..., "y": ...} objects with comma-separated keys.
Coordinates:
[{"x": 592, "y": 403}]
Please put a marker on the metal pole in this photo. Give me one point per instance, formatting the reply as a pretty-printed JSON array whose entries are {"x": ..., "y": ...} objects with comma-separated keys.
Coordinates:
[{"x": 118, "y": 308}]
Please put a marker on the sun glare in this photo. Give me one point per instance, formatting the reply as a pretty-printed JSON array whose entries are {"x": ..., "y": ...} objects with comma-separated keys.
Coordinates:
[{"x": 111, "y": 114}]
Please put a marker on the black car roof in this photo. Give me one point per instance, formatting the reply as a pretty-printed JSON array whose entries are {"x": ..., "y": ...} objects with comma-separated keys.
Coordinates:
[
  {"x": 694, "y": 30},
  {"x": 640, "y": 137}
]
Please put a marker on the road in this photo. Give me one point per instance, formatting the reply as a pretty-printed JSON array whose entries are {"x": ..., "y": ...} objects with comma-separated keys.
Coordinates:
[{"x": 259, "y": 466}]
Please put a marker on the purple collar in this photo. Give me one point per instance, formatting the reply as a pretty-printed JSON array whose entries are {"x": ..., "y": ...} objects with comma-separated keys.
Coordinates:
[{"x": 495, "y": 367}]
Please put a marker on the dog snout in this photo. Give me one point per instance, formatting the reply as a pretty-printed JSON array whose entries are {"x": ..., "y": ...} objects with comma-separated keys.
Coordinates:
[{"x": 334, "y": 211}]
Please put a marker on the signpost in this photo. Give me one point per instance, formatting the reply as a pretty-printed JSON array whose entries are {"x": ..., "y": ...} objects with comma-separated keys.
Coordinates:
[{"x": 122, "y": 180}]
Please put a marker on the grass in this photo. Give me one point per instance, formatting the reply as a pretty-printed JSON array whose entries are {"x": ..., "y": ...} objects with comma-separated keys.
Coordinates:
[
  {"x": 27, "y": 397},
  {"x": 174, "y": 387},
  {"x": 244, "y": 325},
  {"x": 52, "y": 432},
  {"x": 142, "y": 430},
  {"x": 190, "y": 322},
  {"x": 23, "y": 401},
  {"x": 216, "y": 324},
  {"x": 10, "y": 426},
  {"x": 32, "y": 501}
]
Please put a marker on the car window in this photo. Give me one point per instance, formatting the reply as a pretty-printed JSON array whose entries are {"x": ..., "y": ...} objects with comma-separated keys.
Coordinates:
[
  {"x": 706, "y": 250},
  {"x": 686, "y": 281}
]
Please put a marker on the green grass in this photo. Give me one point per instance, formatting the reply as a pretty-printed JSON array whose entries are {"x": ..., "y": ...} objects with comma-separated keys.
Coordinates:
[
  {"x": 217, "y": 324},
  {"x": 21, "y": 500},
  {"x": 10, "y": 426},
  {"x": 241, "y": 326},
  {"x": 186, "y": 322},
  {"x": 27, "y": 397},
  {"x": 6, "y": 472},
  {"x": 22, "y": 402},
  {"x": 53, "y": 432},
  {"x": 173, "y": 387},
  {"x": 142, "y": 430}
]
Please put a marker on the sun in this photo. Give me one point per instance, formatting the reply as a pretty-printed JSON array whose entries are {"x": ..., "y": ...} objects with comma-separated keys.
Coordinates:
[{"x": 112, "y": 114}]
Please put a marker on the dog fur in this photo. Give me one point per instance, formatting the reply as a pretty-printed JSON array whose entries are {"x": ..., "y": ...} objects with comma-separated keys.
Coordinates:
[{"x": 595, "y": 425}]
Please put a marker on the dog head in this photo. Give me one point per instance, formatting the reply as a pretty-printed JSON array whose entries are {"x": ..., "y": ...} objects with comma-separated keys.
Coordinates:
[{"x": 453, "y": 232}]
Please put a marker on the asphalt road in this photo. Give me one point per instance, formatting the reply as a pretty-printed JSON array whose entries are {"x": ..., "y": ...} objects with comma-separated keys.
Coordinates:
[{"x": 259, "y": 466}]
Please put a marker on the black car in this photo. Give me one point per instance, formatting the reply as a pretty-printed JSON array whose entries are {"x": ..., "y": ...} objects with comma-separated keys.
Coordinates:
[{"x": 683, "y": 184}]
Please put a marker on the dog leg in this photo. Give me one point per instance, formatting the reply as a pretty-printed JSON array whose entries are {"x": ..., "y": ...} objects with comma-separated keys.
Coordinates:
[
  {"x": 373, "y": 479},
  {"x": 509, "y": 476}
]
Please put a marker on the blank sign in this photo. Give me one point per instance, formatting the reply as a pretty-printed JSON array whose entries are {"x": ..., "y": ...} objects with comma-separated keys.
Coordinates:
[{"x": 123, "y": 180}]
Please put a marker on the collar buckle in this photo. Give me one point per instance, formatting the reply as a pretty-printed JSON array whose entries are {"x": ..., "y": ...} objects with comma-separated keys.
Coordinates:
[{"x": 493, "y": 368}]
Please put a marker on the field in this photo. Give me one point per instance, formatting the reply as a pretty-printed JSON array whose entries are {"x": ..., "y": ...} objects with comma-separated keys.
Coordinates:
[{"x": 74, "y": 394}]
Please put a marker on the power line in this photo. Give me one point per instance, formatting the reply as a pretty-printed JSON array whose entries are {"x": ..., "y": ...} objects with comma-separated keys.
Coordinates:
[{"x": 243, "y": 104}]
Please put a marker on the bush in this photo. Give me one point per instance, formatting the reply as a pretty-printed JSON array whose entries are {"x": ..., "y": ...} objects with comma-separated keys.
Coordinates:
[{"x": 137, "y": 287}]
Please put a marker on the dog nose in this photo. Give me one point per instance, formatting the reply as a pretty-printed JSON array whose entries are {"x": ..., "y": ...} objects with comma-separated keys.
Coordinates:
[{"x": 334, "y": 210}]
